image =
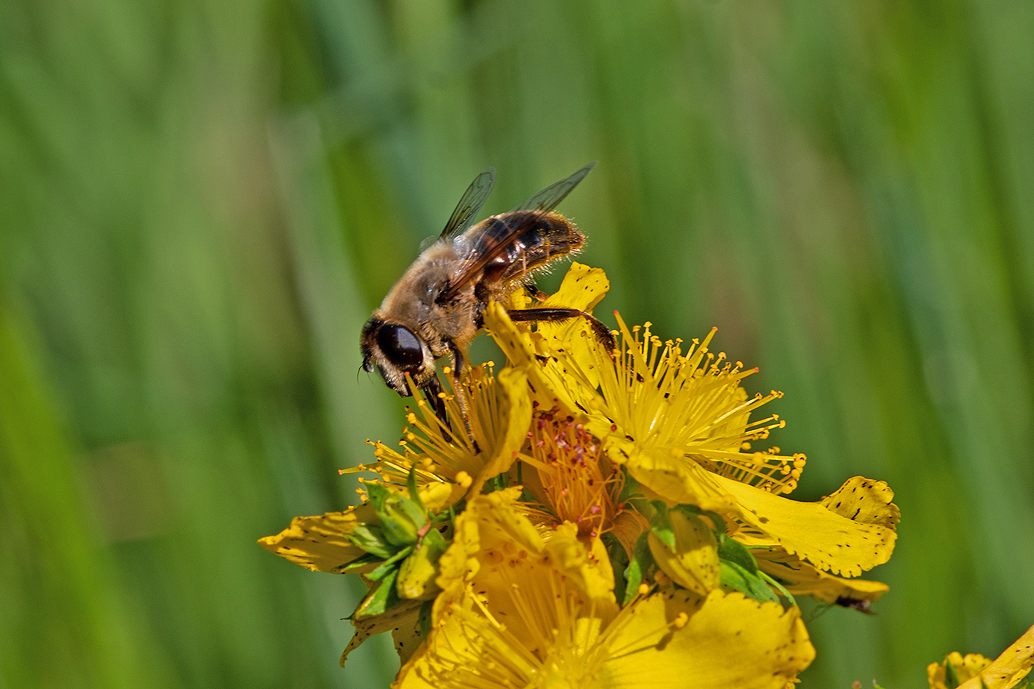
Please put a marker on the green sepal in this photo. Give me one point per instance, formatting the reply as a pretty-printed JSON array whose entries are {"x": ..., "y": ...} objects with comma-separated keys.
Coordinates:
[
  {"x": 737, "y": 578},
  {"x": 694, "y": 511},
  {"x": 642, "y": 561},
  {"x": 364, "y": 560},
  {"x": 731, "y": 550},
  {"x": 629, "y": 489},
  {"x": 389, "y": 565},
  {"x": 951, "y": 676},
  {"x": 774, "y": 583},
  {"x": 414, "y": 492},
  {"x": 370, "y": 538},
  {"x": 660, "y": 524},
  {"x": 418, "y": 572},
  {"x": 423, "y": 622},
  {"x": 618, "y": 560},
  {"x": 401, "y": 518},
  {"x": 497, "y": 482},
  {"x": 381, "y": 599}
]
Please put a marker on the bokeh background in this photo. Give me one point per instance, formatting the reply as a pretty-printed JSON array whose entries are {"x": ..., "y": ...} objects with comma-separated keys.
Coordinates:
[{"x": 200, "y": 203}]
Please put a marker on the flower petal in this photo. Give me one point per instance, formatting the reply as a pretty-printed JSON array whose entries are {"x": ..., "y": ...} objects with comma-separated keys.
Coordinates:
[
  {"x": 802, "y": 578},
  {"x": 693, "y": 564},
  {"x": 515, "y": 414},
  {"x": 490, "y": 521},
  {"x": 319, "y": 543},
  {"x": 964, "y": 668},
  {"x": 554, "y": 382},
  {"x": 668, "y": 474},
  {"x": 729, "y": 641},
  {"x": 583, "y": 288},
  {"x": 817, "y": 531}
]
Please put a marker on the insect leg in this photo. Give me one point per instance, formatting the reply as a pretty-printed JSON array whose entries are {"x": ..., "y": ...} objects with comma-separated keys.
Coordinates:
[
  {"x": 461, "y": 395},
  {"x": 432, "y": 392},
  {"x": 534, "y": 292},
  {"x": 599, "y": 330}
]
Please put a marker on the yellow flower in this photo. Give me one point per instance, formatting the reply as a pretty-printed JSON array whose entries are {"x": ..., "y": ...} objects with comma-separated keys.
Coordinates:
[
  {"x": 974, "y": 671},
  {"x": 680, "y": 424},
  {"x": 518, "y": 610},
  {"x": 499, "y": 416}
]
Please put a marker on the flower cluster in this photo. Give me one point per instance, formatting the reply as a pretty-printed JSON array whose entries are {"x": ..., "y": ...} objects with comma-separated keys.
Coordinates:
[{"x": 610, "y": 520}]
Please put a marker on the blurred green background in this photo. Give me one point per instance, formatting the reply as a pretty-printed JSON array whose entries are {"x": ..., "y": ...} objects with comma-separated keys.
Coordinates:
[{"x": 200, "y": 203}]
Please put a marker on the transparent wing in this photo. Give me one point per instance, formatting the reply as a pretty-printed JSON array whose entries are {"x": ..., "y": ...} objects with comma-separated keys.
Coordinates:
[
  {"x": 495, "y": 239},
  {"x": 550, "y": 197},
  {"x": 470, "y": 203},
  {"x": 497, "y": 236}
]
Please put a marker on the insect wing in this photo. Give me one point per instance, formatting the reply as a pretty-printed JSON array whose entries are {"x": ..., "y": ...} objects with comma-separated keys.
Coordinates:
[
  {"x": 550, "y": 197},
  {"x": 496, "y": 238},
  {"x": 471, "y": 201},
  {"x": 491, "y": 242}
]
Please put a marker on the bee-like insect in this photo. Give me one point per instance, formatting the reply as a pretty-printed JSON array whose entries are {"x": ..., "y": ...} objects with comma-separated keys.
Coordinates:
[{"x": 437, "y": 306}]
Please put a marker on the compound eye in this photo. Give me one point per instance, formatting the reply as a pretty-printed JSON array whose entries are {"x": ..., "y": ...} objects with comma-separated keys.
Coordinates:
[{"x": 400, "y": 346}]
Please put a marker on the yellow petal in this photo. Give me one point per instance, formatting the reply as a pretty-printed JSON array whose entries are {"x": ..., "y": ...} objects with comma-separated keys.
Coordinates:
[
  {"x": 588, "y": 569},
  {"x": 730, "y": 641},
  {"x": 864, "y": 500},
  {"x": 668, "y": 474},
  {"x": 515, "y": 411},
  {"x": 407, "y": 637},
  {"x": 1008, "y": 669},
  {"x": 553, "y": 382},
  {"x": 693, "y": 564},
  {"x": 583, "y": 288},
  {"x": 572, "y": 341},
  {"x": 802, "y": 578},
  {"x": 319, "y": 543},
  {"x": 490, "y": 521},
  {"x": 816, "y": 533}
]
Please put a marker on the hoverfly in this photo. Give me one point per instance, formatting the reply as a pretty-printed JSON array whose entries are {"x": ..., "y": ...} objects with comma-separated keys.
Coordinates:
[{"x": 437, "y": 306}]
